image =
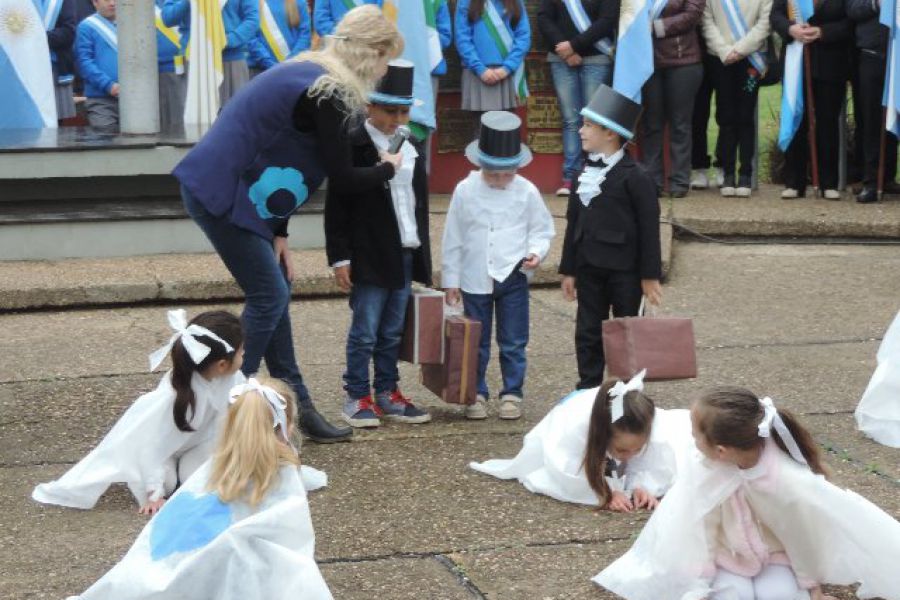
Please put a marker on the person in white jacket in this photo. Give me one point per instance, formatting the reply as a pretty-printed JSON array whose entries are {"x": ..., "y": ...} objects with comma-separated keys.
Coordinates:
[
  {"x": 736, "y": 32},
  {"x": 498, "y": 231}
]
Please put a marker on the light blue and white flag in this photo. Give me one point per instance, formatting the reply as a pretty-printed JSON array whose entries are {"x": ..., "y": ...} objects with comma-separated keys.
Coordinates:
[
  {"x": 410, "y": 19},
  {"x": 634, "y": 48},
  {"x": 889, "y": 18},
  {"x": 27, "y": 100},
  {"x": 792, "y": 82},
  {"x": 581, "y": 20},
  {"x": 739, "y": 29}
]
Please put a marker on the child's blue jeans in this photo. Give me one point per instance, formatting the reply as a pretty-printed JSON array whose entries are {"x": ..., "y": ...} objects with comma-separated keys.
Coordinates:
[
  {"x": 375, "y": 332},
  {"x": 510, "y": 301}
]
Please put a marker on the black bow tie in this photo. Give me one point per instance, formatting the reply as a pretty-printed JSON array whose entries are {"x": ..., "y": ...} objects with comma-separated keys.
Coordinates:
[{"x": 596, "y": 163}]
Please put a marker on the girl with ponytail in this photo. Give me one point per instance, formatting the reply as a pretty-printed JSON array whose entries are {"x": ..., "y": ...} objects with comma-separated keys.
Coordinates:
[
  {"x": 284, "y": 32},
  {"x": 609, "y": 447},
  {"x": 168, "y": 433},
  {"x": 753, "y": 517},
  {"x": 240, "y": 527}
]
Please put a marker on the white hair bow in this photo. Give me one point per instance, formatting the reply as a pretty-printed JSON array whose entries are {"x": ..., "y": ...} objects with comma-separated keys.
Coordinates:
[
  {"x": 618, "y": 391},
  {"x": 772, "y": 418},
  {"x": 277, "y": 402},
  {"x": 196, "y": 349}
]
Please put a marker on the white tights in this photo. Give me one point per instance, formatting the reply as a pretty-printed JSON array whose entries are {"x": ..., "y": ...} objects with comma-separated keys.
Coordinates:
[{"x": 774, "y": 582}]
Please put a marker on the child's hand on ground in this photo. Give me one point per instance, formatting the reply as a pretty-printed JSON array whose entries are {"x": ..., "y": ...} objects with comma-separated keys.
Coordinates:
[
  {"x": 532, "y": 261},
  {"x": 452, "y": 296},
  {"x": 342, "y": 277},
  {"x": 152, "y": 507},
  {"x": 653, "y": 290},
  {"x": 644, "y": 499},
  {"x": 568, "y": 288},
  {"x": 619, "y": 502}
]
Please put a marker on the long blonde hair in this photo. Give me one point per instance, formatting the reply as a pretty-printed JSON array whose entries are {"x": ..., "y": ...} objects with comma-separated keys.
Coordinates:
[
  {"x": 250, "y": 451},
  {"x": 361, "y": 39}
]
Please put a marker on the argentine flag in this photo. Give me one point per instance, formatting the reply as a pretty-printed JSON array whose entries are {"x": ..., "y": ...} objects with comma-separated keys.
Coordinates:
[
  {"x": 409, "y": 15},
  {"x": 890, "y": 19},
  {"x": 792, "y": 82},
  {"x": 205, "y": 69},
  {"x": 28, "y": 99},
  {"x": 634, "y": 48}
]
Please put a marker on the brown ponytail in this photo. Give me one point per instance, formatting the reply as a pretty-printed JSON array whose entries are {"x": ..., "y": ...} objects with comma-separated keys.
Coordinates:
[
  {"x": 637, "y": 418},
  {"x": 511, "y": 7},
  {"x": 292, "y": 13},
  {"x": 223, "y": 324},
  {"x": 730, "y": 416}
]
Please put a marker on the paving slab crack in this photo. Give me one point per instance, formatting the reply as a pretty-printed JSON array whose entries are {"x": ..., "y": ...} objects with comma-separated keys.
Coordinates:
[{"x": 460, "y": 574}]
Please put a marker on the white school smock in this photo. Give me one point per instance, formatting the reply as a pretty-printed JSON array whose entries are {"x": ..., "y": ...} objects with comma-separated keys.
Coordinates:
[{"x": 489, "y": 231}]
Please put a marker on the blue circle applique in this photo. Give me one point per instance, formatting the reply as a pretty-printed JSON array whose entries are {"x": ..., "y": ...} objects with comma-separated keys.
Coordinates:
[
  {"x": 187, "y": 522},
  {"x": 272, "y": 182}
]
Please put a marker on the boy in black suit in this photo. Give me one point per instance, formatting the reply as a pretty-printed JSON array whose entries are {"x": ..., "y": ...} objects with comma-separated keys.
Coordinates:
[
  {"x": 611, "y": 252},
  {"x": 377, "y": 243}
]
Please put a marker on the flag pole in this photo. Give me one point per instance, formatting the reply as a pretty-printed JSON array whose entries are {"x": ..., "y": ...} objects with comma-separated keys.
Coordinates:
[{"x": 811, "y": 120}]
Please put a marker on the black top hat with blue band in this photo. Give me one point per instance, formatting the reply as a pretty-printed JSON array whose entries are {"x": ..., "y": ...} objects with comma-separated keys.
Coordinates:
[
  {"x": 499, "y": 145},
  {"x": 396, "y": 87},
  {"x": 614, "y": 111}
]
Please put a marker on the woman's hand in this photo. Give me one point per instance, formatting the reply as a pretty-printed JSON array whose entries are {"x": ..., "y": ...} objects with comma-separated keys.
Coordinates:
[
  {"x": 644, "y": 499},
  {"x": 532, "y": 261},
  {"x": 733, "y": 57},
  {"x": 452, "y": 296},
  {"x": 568, "y": 288},
  {"x": 283, "y": 256},
  {"x": 813, "y": 34},
  {"x": 619, "y": 502},
  {"x": 574, "y": 60},
  {"x": 653, "y": 290},
  {"x": 564, "y": 50},
  {"x": 342, "y": 277},
  {"x": 395, "y": 159},
  {"x": 152, "y": 507},
  {"x": 797, "y": 32}
]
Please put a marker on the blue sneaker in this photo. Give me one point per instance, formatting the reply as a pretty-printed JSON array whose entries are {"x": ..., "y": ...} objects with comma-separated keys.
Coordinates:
[
  {"x": 397, "y": 407},
  {"x": 361, "y": 413}
]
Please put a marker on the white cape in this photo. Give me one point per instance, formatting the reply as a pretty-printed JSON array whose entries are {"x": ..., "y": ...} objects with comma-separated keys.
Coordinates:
[
  {"x": 144, "y": 449},
  {"x": 878, "y": 412},
  {"x": 831, "y": 535},
  {"x": 200, "y": 548},
  {"x": 552, "y": 455}
]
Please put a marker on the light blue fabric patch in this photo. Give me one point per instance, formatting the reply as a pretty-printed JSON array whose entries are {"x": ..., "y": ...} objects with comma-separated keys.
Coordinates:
[
  {"x": 568, "y": 396},
  {"x": 187, "y": 522},
  {"x": 272, "y": 180}
]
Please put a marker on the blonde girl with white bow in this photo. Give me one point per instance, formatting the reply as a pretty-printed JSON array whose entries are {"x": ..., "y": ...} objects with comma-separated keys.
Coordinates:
[{"x": 169, "y": 432}]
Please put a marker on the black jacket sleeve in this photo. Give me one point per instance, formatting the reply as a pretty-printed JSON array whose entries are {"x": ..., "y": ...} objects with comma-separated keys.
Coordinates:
[
  {"x": 603, "y": 26},
  {"x": 642, "y": 191},
  {"x": 548, "y": 23},
  {"x": 862, "y": 10},
  {"x": 569, "y": 250},
  {"x": 61, "y": 37},
  {"x": 779, "y": 19}
]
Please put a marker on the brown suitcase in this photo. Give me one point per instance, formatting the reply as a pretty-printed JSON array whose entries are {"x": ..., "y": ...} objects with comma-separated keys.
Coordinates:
[
  {"x": 456, "y": 381},
  {"x": 662, "y": 345},
  {"x": 423, "y": 333}
]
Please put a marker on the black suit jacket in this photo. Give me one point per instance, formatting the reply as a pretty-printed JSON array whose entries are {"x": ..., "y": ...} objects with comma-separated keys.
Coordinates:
[
  {"x": 361, "y": 226},
  {"x": 830, "y": 56},
  {"x": 619, "y": 229}
]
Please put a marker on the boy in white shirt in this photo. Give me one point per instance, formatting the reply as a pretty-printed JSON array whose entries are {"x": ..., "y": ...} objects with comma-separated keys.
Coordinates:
[{"x": 498, "y": 231}]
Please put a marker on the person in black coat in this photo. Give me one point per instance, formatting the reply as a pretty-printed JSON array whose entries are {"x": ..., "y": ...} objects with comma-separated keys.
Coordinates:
[
  {"x": 376, "y": 240},
  {"x": 611, "y": 253},
  {"x": 828, "y": 36},
  {"x": 60, "y": 38},
  {"x": 872, "y": 45}
]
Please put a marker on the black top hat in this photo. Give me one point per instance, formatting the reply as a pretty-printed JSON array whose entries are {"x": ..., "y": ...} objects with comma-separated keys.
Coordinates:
[
  {"x": 396, "y": 87},
  {"x": 499, "y": 144},
  {"x": 614, "y": 111}
]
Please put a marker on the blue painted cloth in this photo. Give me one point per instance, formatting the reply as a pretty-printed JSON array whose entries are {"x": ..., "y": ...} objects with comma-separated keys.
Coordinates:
[
  {"x": 241, "y": 18},
  {"x": 253, "y": 165}
]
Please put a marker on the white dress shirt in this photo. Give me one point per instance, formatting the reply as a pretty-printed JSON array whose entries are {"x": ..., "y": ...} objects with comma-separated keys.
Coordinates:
[
  {"x": 402, "y": 193},
  {"x": 489, "y": 231}
]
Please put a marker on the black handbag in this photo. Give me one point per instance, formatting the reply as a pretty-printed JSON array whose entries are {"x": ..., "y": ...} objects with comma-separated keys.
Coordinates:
[{"x": 774, "y": 64}]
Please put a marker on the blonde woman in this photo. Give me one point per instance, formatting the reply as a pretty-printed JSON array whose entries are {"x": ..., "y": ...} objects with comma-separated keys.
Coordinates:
[
  {"x": 269, "y": 149},
  {"x": 240, "y": 526}
]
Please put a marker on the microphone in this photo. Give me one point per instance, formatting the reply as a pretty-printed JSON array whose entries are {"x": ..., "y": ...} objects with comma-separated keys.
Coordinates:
[{"x": 400, "y": 136}]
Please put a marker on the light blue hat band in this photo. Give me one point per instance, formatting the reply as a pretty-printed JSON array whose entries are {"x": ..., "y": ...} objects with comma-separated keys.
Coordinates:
[
  {"x": 498, "y": 162},
  {"x": 609, "y": 124},
  {"x": 379, "y": 98}
]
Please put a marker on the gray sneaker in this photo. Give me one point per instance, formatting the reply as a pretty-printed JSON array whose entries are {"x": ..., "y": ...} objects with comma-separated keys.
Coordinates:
[
  {"x": 477, "y": 411},
  {"x": 510, "y": 407}
]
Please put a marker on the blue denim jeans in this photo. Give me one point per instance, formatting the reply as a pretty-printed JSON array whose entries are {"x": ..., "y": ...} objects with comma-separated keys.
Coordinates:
[
  {"x": 510, "y": 302},
  {"x": 375, "y": 331},
  {"x": 574, "y": 88},
  {"x": 267, "y": 323}
]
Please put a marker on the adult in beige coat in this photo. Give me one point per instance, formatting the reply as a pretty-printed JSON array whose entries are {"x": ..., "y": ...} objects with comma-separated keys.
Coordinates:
[{"x": 736, "y": 32}]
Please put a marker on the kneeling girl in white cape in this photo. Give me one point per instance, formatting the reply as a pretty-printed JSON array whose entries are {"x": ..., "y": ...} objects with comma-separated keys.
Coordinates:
[
  {"x": 754, "y": 517},
  {"x": 606, "y": 446},
  {"x": 878, "y": 412},
  {"x": 240, "y": 527},
  {"x": 168, "y": 433}
]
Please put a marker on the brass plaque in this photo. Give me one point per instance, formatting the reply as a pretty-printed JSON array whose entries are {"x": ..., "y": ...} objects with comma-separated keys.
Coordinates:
[
  {"x": 545, "y": 142},
  {"x": 543, "y": 113},
  {"x": 456, "y": 129}
]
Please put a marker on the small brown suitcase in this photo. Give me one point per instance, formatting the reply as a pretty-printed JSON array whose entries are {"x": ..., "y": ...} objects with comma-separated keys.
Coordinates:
[
  {"x": 456, "y": 380},
  {"x": 662, "y": 345}
]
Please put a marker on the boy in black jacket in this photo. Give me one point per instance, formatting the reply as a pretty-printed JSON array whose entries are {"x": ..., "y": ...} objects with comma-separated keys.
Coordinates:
[
  {"x": 377, "y": 242},
  {"x": 611, "y": 252}
]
